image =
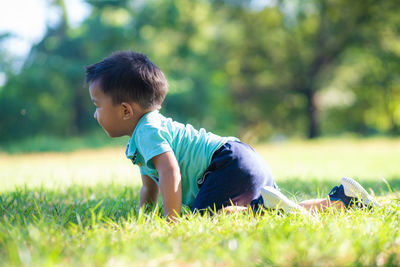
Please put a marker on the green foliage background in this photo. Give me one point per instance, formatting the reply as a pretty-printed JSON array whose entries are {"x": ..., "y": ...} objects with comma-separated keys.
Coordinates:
[{"x": 300, "y": 68}]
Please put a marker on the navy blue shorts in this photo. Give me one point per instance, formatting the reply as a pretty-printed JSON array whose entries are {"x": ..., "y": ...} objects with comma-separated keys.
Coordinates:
[{"x": 235, "y": 176}]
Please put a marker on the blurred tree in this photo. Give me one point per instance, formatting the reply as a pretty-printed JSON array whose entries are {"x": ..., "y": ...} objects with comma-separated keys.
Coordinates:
[
  {"x": 368, "y": 74},
  {"x": 287, "y": 52},
  {"x": 47, "y": 94},
  {"x": 294, "y": 67},
  {"x": 50, "y": 85}
]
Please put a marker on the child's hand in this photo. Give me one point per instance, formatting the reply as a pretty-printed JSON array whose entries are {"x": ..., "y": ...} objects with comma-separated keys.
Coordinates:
[{"x": 148, "y": 192}]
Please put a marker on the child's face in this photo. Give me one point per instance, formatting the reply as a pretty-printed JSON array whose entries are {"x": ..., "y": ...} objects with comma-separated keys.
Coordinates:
[{"x": 109, "y": 116}]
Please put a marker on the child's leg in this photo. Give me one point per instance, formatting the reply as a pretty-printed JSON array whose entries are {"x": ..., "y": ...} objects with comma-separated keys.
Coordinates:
[
  {"x": 234, "y": 178},
  {"x": 321, "y": 204},
  {"x": 348, "y": 193}
]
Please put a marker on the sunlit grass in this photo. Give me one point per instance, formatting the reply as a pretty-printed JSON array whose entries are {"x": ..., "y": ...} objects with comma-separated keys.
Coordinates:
[
  {"x": 80, "y": 208},
  {"x": 62, "y": 170}
]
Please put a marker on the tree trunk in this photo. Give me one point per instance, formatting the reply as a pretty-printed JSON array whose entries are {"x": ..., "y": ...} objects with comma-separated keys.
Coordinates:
[{"x": 312, "y": 115}]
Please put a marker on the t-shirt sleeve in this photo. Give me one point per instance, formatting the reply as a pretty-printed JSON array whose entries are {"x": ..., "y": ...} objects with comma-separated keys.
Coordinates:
[{"x": 152, "y": 141}]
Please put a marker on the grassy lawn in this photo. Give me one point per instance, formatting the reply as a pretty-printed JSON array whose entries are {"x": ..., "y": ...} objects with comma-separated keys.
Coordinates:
[{"x": 80, "y": 208}]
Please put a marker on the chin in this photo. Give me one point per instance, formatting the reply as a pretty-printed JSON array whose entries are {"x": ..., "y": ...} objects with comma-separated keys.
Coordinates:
[{"x": 113, "y": 135}]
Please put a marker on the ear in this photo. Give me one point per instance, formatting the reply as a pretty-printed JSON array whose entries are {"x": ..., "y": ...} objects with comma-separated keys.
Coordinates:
[{"x": 127, "y": 110}]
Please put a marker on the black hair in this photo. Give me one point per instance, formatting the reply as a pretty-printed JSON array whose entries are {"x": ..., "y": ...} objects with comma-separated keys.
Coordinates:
[{"x": 129, "y": 75}]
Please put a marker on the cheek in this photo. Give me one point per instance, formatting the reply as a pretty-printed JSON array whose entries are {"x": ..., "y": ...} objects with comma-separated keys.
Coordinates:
[
  {"x": 98, "y": 116},
  {"x": 103, "y": 119}
]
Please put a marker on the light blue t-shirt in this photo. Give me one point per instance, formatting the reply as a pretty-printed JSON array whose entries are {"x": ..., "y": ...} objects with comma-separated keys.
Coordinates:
[{"x": 193, "y": 149}]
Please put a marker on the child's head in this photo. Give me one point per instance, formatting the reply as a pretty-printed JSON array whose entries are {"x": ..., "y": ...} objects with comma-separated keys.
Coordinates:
[
  {"x": 128, "y": 76},
  {"x": 123, "y": 87}
]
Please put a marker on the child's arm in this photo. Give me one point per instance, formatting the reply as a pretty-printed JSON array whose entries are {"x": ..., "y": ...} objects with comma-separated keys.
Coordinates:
[
  {"x": 170, "y": 183},
  {"x": 149, "y": 191}
]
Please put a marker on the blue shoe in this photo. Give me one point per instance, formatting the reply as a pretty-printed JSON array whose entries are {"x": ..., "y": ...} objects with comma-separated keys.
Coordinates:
[
  {"x": 351, "y": 193},
  {"x": 337, "y": 194}
]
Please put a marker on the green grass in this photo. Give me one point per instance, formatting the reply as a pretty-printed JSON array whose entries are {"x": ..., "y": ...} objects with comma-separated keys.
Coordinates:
[{"x": 80, "y": 209}]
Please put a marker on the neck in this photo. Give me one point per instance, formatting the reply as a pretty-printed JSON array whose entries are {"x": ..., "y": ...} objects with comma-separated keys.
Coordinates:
[{"x": 135, "y": 120}]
